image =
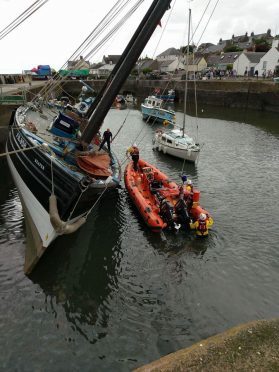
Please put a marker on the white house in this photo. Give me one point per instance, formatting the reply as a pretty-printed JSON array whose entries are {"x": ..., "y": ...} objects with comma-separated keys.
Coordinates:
[
  {"x": 171, "y": 65},
  {"x": 170, "y": 54},
  {"x": 269, "y": 61},
  {"x": 247, "y": 61}
]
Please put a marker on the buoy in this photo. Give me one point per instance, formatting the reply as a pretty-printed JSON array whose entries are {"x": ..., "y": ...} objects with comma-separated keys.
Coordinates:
[
  {"x": 82, "y": 108},
  {"x": 61, "y": 227}
]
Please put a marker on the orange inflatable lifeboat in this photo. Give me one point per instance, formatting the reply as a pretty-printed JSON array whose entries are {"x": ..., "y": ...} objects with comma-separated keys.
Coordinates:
[{"x": 161, "y": 202}]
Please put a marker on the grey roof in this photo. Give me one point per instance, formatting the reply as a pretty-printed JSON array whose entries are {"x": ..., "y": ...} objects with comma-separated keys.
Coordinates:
[
  {"x": 193, "y": 59},
  {"x": 111, "y": 59},
  {"x": 254, "y": 57},
  {"x": 73, "y": 64},
  {"x": 211, "y": 48},
  {"x": 223, "y": 58},
  {"x": 165, "y": 63},
  {"x": 148, "y": 63},
  {"x": 170, "y": 52}
]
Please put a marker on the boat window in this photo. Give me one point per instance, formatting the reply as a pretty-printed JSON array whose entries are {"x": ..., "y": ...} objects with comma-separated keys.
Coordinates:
[
  {"x": 163, "y": 138},
  {"x": 169, "y": 141}
]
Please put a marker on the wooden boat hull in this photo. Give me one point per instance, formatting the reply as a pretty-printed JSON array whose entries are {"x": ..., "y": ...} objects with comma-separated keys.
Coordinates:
[{"x": 37, "y": 173}]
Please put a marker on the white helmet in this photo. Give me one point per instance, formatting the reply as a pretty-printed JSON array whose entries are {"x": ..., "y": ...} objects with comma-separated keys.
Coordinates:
[
  {"x": 202, "y": 217},
  {"x": 189, "y": 182},
  {"x": 134, "y": 145}
]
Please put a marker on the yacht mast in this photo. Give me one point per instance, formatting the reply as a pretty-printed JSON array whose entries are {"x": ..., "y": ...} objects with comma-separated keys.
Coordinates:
[
  {"x": 119, "y": 62},
  {"x": 141, "y": 38},
  {"x": 186, "y": 78}
]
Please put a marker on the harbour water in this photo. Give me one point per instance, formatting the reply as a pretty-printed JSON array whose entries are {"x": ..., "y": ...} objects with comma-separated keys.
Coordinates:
[{"x": 114, "y": 296}]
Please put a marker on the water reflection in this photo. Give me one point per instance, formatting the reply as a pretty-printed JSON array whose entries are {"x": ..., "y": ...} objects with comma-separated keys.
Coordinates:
[
  {"x": 79, "y": 272},
  {"x": 268, "y": 121}
]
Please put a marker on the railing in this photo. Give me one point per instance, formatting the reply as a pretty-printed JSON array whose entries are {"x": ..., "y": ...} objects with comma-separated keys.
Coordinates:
[{"x": 13, "y": 99}]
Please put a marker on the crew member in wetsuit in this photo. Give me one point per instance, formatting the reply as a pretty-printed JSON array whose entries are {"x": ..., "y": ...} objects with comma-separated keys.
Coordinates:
[
  {"x": 107, "y": 138},
  {"x": 202, "y": 225},
  {"x": 133, "y": 151}
]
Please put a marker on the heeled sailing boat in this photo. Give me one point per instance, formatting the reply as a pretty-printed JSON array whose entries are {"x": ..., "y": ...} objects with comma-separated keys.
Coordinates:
[{"x": 56, "y": 171}]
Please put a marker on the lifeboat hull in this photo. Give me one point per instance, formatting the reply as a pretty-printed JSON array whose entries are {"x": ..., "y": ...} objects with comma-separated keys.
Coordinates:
[{"x": 146, "y": 200}]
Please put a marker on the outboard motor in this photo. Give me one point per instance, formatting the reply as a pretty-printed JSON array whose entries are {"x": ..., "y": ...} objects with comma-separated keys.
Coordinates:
[
  {"x": 182, "y": 213},
  {"x": 167, "y": 214}
]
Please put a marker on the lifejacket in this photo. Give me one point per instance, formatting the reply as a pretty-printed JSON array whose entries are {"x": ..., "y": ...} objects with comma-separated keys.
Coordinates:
[{"x": 202, "y": 228}]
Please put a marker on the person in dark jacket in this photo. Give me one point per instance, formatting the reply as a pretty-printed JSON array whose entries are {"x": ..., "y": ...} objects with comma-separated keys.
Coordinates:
[{"x": 107, "y": 138}]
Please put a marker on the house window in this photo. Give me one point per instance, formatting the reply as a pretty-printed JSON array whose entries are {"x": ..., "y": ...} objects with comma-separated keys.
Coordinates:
[{"x": 264, "y": 64}]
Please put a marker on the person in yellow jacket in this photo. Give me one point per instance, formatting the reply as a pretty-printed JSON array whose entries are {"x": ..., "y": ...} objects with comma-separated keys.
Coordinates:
[
  {"x": 202, "y": 225},
  {"x": 133, "y": 151}
]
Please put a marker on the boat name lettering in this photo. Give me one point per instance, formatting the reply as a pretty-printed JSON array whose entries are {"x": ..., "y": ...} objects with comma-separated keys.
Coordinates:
[
  {"x": 22, "y": 142},
  {"x": 39, "y": 164}
]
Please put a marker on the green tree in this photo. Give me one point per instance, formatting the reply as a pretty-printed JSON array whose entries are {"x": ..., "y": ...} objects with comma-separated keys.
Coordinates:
[
  {"x": 146, "y": 70},
  {"x": 261, "y": 45},
  {"x": 232, "y": 48},
  {"x": 229, "y": 67},
  {"x": 183, "y": 49}
]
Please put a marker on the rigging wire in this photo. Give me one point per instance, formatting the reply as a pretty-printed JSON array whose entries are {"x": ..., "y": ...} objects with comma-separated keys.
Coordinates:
[
  {"x": 208, "y": 21},
  {"x": 22, "y": 17},
  {"x": 114, "y": 12}
]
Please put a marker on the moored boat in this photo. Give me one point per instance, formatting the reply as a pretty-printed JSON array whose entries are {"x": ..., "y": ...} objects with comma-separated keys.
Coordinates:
[
  {"x": 162, "y": 203},
  {"x": 176, "y": 143},
  {"x": 169, "y": 96},
  {"x": 153, "y": 110}
]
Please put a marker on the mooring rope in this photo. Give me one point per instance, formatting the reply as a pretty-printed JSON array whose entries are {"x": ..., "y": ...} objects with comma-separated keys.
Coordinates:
[{"x": 21, "y": 150}]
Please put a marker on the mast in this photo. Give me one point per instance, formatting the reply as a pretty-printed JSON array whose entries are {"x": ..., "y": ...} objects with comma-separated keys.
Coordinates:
[
  {"x": 118, "y": 64},
  {"x": 141, "y": 38},
  {"x": 186, "y": 78}
]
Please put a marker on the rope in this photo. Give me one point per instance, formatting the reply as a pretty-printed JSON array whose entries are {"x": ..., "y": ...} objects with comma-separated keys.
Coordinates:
[
  {"x": 93, "y": 206},
  {"x": 52, "y": 183},
  {"x": 121, "y": 125},
  {"x": 22, "y": 17},
  {"x": 21, "y": 150}
]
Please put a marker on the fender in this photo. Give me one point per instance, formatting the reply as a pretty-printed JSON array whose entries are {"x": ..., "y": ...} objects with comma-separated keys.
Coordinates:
[{"x": 61, "y": 227}]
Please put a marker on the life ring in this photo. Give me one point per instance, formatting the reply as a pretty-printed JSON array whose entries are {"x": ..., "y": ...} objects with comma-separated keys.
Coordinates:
[{"x": 82, "y": 107}]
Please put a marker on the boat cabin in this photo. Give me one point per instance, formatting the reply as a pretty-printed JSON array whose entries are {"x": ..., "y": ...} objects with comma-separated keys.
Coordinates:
[
  {"x": 153, "y": 101},
  {"x": 64, "y": 126},
  {"x": 175, "y": 137}
]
